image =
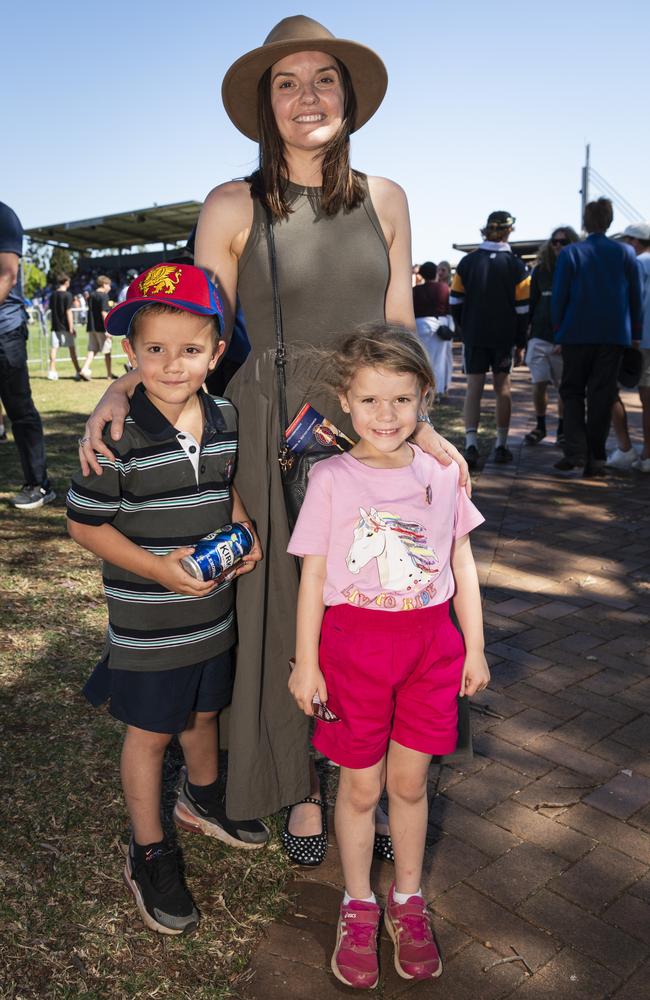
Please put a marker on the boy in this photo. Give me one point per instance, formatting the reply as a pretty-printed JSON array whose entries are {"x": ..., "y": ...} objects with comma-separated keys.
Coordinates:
[
  {"x": 99, "y": 338},
  {"x": 62, "y": 321},
  {"x": 167, "y": 668}
]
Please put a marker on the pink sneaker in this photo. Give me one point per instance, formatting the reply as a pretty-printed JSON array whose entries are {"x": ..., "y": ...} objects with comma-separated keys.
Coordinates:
[
  {"x": 416, "y": 954},
  {"x": 354, "y": 961}
]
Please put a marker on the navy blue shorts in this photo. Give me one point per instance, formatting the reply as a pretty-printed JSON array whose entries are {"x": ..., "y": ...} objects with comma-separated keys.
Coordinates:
[{"x": 161, "y": 701}]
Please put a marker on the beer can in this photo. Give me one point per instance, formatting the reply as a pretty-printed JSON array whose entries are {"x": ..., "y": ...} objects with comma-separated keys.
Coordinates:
[{"x": 219, "y": 552}]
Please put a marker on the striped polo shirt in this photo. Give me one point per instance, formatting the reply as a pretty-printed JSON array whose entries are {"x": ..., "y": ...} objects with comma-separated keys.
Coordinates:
[{"x": 158, "y": 493}]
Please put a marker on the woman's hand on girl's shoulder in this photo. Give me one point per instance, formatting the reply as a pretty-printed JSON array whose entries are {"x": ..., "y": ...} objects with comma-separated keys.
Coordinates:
[
  {"x": 428, "y": 439},
  {"x": 476, "y": 673},
  {"x": 304, "y": 682}
]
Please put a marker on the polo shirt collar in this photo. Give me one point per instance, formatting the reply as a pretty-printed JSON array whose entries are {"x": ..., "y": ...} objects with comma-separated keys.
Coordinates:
[
  {"x": 494, "y": 247},
  {"x": 156, "y": 426}
]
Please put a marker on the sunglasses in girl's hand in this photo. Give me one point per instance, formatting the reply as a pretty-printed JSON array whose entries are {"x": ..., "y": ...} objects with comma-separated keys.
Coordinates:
[{"x": 320, "y": 710}]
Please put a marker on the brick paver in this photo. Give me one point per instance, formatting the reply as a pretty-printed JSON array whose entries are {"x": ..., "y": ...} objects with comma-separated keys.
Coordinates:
[{"x": 541, "y": 843}]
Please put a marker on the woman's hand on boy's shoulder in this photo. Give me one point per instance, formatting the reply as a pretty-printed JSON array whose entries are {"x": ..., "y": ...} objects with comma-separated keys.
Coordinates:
[{"x": 476, "y": 673}]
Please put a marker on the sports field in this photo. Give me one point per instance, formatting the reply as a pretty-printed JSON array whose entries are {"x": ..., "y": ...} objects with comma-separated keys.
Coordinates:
[{"x": 38, "y": 350}]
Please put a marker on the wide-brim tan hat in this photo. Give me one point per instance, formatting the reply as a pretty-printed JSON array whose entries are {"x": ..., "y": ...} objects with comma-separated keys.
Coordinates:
[{"x": 301, "y": 34}]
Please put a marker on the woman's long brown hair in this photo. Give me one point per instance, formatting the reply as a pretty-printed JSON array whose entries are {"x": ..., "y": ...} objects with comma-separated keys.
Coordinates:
[{"x": 342, "y": 186}]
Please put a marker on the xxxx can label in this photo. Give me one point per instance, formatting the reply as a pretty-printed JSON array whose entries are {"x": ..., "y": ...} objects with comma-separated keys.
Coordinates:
[{"x": 219, "y": 552}]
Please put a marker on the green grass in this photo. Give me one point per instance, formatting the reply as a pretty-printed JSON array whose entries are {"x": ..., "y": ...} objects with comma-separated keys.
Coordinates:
[{"x": 68, "y": 926}]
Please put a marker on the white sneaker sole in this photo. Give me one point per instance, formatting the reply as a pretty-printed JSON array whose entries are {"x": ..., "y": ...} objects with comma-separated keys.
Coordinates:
[
  {"x": 388, "y": 923},
  {"x": 187, "y": 820},
  {"x": 35, "y": 504}
]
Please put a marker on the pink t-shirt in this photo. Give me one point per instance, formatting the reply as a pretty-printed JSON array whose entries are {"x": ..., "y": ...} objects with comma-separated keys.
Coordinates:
[{"x": 387, "y": 533}]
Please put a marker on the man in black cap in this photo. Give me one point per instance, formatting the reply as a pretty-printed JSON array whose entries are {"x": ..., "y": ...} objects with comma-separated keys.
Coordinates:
[{"x": 489, "y": 301}]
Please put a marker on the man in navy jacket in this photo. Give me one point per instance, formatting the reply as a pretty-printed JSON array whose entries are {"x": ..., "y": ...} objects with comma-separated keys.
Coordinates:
[{"x": 596, "y": 312}]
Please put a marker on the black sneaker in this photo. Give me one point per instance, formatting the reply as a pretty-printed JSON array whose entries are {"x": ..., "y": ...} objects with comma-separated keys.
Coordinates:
[
  {"x": 164, "y": 903},
  {"x": 472, "y": 456},
  {"x": 249, "y": 834},
  {"x": 31, "y": 497},
  {"x": 502, "y": 455},
  {"x": 3, "y": 436}
]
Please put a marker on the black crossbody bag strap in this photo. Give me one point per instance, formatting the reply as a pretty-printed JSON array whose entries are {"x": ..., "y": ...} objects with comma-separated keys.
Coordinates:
[{"x": 280, "y": 352}]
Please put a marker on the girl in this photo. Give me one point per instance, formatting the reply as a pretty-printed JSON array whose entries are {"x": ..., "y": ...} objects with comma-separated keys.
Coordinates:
[{"x": 384, "y": 538}]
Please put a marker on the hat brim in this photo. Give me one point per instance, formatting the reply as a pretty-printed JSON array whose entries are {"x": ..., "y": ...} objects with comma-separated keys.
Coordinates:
[
  {"x": 239, "y": 88},
  {"x": 118, "y": 321}
]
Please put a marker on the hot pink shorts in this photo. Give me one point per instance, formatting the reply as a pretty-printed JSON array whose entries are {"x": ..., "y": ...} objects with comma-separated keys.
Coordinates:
[{"x": 391, "y": 675}]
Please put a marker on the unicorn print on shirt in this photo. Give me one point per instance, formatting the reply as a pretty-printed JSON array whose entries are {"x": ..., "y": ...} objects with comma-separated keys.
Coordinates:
[{"x": 405, "y": 562}]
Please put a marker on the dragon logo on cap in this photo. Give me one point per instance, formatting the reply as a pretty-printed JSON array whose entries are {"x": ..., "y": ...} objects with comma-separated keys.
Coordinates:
[{"x": 163, "y": 278}]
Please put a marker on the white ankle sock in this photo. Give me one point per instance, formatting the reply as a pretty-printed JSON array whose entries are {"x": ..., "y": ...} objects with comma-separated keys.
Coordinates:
[
  {"x": 502, "y": 436},
  {"x": 347, "y": 899},
  {"x": 471, "y": 437},
  {"x": 403, "y": 897}
]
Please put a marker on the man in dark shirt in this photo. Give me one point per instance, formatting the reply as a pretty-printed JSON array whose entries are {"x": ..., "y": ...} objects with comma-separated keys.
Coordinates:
[
  {"x": 489, "y": 301},
  {"x": 99, "y": 341},
  {"x": 15, "y": 390},
  {"x": 62, "y": 323}
]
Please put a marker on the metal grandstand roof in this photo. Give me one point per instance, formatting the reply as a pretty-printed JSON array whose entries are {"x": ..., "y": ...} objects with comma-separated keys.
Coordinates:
[{"x": 158, "y": 224}]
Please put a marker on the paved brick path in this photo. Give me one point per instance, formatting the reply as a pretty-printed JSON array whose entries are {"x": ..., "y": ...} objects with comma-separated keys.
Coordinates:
[{"x": 541, "y": 843}]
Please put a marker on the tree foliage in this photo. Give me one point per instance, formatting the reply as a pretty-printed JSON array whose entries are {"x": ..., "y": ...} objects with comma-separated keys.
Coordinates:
[
  {"x": 62, "y": 261},
  {"x": 33, "y": 279}
]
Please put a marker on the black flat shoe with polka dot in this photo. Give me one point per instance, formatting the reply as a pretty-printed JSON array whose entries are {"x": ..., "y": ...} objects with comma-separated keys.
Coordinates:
[
  {"x": 383, "y": 847},
  {"x": 307, "y": 851}
]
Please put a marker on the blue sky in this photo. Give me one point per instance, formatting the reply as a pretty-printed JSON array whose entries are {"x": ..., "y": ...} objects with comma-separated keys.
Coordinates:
[{"x": 489, "y": 105}]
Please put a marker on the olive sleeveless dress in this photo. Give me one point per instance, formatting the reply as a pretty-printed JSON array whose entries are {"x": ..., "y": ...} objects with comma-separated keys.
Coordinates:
[{"x": 333, "y": 274}]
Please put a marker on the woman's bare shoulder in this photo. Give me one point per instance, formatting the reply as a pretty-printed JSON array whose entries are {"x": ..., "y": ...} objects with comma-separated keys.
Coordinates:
[
  {"x": 226, "y": 217},
  {"x": 384, "y": 190},
  {"x": 229, "y": 197}
]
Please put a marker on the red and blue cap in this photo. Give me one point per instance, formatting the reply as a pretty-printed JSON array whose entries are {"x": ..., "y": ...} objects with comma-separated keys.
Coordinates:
[{"x": 181, "y": 286}]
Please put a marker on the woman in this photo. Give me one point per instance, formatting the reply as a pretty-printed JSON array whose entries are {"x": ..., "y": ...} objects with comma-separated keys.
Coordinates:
[
  {"x": 542, "y": 356},
  {"x": 343, "y": 249},
  {"x": 431, "y": 306}
]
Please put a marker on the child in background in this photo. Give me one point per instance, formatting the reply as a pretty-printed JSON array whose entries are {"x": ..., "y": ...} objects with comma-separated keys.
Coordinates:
[
  {"x": 168, "y": 667},
  {"x": 384, "y": 538},
  {"x": 99, "y": 336}
]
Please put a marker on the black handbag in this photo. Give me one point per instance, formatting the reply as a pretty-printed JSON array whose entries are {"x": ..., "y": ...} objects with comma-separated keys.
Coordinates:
[
  {"x": 294, "y": 467},
  {"x": 445, "y": 332}
]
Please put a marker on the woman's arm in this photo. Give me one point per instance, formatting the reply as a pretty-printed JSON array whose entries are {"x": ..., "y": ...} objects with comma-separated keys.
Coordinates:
[
  {"x": 391, "y": 206},
  {"x": 112, "y": 407},
  {"x": 467, "y": 605},
  {"x": 392, "y": 209},
  {"x": 110, "y": 544},
  {"x": 223, "y": 228},
  {"x": 306, "y": 679}
]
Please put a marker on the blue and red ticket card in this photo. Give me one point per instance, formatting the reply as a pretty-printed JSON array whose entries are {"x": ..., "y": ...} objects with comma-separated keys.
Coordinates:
[{"x": 309, "y": 431}]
